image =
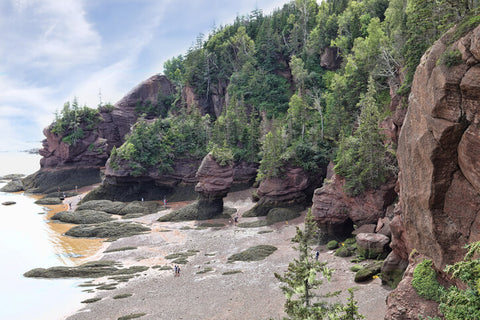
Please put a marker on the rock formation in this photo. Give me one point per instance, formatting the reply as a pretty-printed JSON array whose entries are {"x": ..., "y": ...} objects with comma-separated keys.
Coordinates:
[
  {"x": 292, "y": 189},
  {"x": 67, "y": 165},
  {"x": 439, "y": 191},
  {"x": 331, "y": 59},
  {"x": 214, "y": 182},
  {"x": 336, "y": 212},
  {"x": 438, "y": 153}
]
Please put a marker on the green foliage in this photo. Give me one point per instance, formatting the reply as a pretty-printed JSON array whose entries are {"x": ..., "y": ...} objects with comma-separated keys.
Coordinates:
[
  {"x": 271, "y": 163},
  {"x": 159, "y": 143},
  {"x": 464, "y": 303},
  {"x": 425, "y": 281},
  {"x": 362, "y": 158},
  {"x": 301, "y": 280},
  {"x": 223, "y": 155},
  {"x": 72, "y": 120},
  {"x": 333, "y": 244},
  {"x": 450, "y": 58}
]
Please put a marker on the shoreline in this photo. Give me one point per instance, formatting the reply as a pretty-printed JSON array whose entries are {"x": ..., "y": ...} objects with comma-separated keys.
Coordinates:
[{"x": 249, "y": 290}]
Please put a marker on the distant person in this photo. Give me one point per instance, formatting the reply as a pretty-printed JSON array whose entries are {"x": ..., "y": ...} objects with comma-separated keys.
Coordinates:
[
  {"x": 165, "y": 201},
  {"x": 176, "y": 269},
  {"x": 316, "y": 255},
  {"x": 235, "y": 219}
]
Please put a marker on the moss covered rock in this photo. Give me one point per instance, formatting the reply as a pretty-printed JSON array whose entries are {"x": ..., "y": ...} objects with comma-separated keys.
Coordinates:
[
  {"x": 254, "y": 253},
  {"x": 333, "y": 244},
  {"x": 343, "y": 252},
  {"x": 94, "y": 269},
  {"x": 108, "y": 206},
  {"x": 193, "y": 212},
  {"x": 82, "y": 217},
  {"x": 367, "y": 272},
  {"x": 49, "y": 201},
  {"x": 111, "y": 230}
]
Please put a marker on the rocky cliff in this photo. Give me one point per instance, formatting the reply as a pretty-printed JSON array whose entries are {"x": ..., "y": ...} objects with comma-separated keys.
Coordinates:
[
  {"x": 66, "y": 165},
  {"x": 438, "y": 157}
]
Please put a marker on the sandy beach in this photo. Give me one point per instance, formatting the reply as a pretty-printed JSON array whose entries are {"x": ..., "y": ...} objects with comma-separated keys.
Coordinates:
[{"x": 209, "y": 286}]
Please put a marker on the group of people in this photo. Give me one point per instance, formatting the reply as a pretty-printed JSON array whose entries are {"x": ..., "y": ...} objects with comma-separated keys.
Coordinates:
[{"x": 177, "y": 271}]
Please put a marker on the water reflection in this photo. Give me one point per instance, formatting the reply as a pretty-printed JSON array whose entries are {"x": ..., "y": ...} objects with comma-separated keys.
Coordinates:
[{"x": 29, "y": 240}]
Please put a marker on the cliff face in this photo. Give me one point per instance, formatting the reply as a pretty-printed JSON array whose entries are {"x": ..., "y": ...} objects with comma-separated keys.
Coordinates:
[
  {"x": 438, "y": 156},
  {"x": 93, "y": 149},
  {"x": 438, "y": 152}
]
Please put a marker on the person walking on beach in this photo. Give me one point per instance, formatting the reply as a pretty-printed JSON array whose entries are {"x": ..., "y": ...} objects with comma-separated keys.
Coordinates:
[{"x": 175, "y": 268}]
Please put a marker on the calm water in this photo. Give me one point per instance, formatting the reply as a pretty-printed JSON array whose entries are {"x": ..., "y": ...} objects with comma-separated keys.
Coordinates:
[{"x": 28, "y": 241}]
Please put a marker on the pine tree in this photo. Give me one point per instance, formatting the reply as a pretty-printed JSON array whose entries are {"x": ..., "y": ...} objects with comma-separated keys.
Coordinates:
[{"x": 300, "y": 280}]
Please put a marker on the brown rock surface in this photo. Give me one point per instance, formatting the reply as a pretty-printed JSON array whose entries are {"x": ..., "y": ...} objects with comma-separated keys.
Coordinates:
[
  {"x": 289, "y": 187},
  {"x": 124, "y": 115},
  {"x": 331, "y": 58},
  {"x": 373, "y": 242},
  {"x": 438, "y": 156},
  {"x": 405, "y": 303},
  {"x": 214, "y": 180},
  {"x": 332, "y": 206}
]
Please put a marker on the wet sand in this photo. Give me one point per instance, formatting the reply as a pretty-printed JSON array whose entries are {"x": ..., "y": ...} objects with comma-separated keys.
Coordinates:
[{"x": 209, "y": 286}]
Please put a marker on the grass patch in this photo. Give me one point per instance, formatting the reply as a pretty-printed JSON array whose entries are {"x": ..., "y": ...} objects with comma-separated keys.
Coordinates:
[
  {"x": 132, "y": 316},
  {"x": 185, "y": 228},
  {"x": 226, "y": 273},
  {"x": 122, "y": 296},
  {"x": 122, "y": 278},
  {"x": 165, "y": 230},
  {"x": 253, "y": 254},
  {"x": 208, "y": 269},
  {"x": 92, "y": 300},
  {"x": 210, "y": 254},
  {"x": 120, "y": 249}
]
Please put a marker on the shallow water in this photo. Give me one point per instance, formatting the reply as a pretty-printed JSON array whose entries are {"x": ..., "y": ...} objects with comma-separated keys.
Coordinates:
[{"x": 28, "y": 240}]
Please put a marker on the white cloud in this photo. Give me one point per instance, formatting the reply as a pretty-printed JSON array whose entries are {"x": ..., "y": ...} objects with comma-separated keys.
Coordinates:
[{"x": 48, "y": 34}]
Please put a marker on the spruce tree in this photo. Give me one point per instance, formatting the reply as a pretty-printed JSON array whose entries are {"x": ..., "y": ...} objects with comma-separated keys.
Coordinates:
[{"x": 300, "y": 280}]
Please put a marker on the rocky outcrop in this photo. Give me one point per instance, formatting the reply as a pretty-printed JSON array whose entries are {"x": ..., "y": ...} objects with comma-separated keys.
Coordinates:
[
  {"x": 405, "y": 303},
  {"x": 125, "y": 112},
  {"x": 293, "y": 188},
  {"x": 214, "y": 182},
  {"x": 336, "y": 212},
  {"x": 439, "y": 194},
  {"x": 331, "y": 59},
  {"x": 438, "y": 153},
  {"x": 62, "y": 160}
]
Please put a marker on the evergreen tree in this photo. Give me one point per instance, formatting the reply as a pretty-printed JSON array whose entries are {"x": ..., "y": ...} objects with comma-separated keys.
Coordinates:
[
  {"x": 361, "y": 159},
  {"x": 301, "y": 281}
]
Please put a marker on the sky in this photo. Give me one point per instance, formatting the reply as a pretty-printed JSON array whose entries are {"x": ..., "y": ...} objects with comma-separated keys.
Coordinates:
[{"x": 96, "y": 50}]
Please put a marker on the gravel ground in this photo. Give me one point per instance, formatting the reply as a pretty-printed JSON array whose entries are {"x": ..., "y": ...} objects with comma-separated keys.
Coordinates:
[{"x": 203, "y": 291}]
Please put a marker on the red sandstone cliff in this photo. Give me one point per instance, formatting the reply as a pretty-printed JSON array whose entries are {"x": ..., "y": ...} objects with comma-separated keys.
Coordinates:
[{"x": 438, "y": 156}]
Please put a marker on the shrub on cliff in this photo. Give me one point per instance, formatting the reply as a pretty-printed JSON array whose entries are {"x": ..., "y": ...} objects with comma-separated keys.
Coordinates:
[
  {"x": 73, "y": 120},
  {"x": 464, "y": 303},
  {"x": 159, "y": 143},
  {"x": 425, "y": 281}
]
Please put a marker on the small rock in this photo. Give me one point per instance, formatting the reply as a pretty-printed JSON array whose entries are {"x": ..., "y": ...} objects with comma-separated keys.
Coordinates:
[{"x": 8, "y": 203}]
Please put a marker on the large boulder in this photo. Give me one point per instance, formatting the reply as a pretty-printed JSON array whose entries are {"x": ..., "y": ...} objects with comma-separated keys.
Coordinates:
[
  {"x": 438, "y": 153},
  {"x": 372, "y": 245}
]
